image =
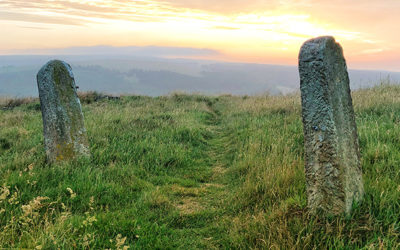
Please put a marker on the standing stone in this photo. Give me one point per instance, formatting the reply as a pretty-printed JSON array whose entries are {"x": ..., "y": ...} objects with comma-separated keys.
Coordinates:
[
  {"x": 64, "y": 132},
  {"x": 332, "y": 158}
]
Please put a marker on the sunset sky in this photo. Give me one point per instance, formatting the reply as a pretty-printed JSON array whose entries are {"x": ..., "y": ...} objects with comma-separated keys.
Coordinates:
[{"x": 259, "y": 31}]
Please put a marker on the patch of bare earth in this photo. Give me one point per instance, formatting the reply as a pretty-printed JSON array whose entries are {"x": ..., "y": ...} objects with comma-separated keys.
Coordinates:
[
  {"x": 189, "y": 205},
  {"x": 192, "y": 201}
]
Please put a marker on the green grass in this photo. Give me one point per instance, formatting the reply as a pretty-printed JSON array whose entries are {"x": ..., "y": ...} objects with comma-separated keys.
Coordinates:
[{"x": 191, "y": 171}]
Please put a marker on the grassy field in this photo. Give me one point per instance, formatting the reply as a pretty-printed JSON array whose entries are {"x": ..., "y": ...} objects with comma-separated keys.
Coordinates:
[{"x": 191, "y": 171}]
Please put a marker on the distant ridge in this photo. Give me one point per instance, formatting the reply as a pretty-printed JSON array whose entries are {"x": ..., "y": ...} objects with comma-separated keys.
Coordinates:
[
  {"x": 146, "y": 51},
  {"x": 147, "y": 75}
]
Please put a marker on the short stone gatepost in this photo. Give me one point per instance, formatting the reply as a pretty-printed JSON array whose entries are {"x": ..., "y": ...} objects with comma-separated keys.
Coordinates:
[
  {"x": 63, "y": 127},
  {"x": 332, "y": 158}
]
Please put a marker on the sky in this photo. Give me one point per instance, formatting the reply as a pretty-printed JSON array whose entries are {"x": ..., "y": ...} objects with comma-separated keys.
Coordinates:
[{"x": 256, "y": 31}]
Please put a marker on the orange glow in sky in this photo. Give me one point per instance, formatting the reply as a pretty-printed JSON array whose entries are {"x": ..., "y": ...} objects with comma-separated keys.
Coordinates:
[{"x": 257, "y": 31}]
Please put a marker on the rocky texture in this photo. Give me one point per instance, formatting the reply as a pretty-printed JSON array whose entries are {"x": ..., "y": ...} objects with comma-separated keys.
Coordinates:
[
  {"x": 64, "y": 132},
  {"x": 333, "y": 171}
]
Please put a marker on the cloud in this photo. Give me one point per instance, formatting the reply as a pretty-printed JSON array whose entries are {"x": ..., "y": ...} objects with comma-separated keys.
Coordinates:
[
  {"x": 236, "y": 6},
  {"x": 372, "y": 51},
  {"x": 32, "y": 18},
  {"x": 144, "y": 10},
  {"x": 225, "y": 28},
  {"x": 34, "y": 28},
  {"x": 363, "y": 26},
  {"x": 136, "y": 10},
  {"x": 74, "y": 11}
]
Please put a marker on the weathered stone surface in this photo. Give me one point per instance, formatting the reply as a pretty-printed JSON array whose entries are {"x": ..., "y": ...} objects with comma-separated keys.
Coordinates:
[
  {"x": 63, "y": 127},
  {"x": 333, "y": 171}
]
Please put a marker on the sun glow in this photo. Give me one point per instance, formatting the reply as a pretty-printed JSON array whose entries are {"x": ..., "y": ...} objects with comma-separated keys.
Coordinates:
[
  {"x": 256, "y": 32},
  {"x": 259, "y": 35}
]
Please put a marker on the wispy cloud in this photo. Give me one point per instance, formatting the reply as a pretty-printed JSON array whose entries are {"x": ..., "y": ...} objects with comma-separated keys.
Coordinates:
[
  {"x": 73, "y": 12},
  {"x": 32, "y": 27},
  {"x": 248, "y": 30},
  {"x": 372, "y": 51},
  {"x": 36, "y": 18},
  {"x": 225, "y": 28},
  {"x": 136, "y": 10}
]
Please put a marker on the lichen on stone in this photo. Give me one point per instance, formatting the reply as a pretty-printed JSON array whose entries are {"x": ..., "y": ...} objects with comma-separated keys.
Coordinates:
[
  {"x": 63, "y": 125},
  {"x": 333, "y": 171}
]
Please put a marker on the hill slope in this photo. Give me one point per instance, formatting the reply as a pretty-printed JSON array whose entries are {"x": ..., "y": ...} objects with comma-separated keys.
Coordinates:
[
  {"x": 161, "y": 76},
  {"x": 189, "y": 171}
]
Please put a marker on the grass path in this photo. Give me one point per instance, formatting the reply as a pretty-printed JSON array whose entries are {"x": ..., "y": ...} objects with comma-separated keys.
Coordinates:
[
  {"x": 193, "y": 172},
  {"x": 212, "y": 193},
  {"x": 157, "y": 177}
]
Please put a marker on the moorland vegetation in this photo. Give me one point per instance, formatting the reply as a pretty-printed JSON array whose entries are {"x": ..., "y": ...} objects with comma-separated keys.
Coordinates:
[{"x": 192, "y": 171}]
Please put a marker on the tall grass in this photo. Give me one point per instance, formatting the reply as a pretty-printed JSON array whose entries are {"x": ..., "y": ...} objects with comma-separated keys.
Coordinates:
[
  {"x": 191, "y": 171},
  {"x": 10, "y": 103}
]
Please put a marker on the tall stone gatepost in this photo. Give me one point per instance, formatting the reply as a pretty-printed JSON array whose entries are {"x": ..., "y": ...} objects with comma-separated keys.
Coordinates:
[
  {"x": 64, "y": 132},
  {"x": 332, "y": 158}
]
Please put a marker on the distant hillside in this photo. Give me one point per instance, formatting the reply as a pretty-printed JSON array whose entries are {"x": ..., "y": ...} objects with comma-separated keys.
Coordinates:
[{"x": 159, "y": 76}]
